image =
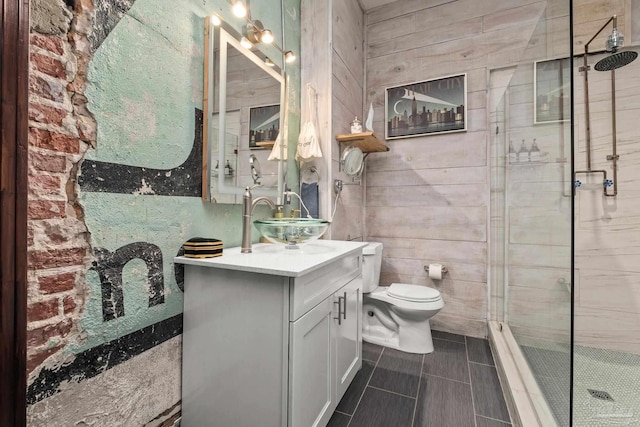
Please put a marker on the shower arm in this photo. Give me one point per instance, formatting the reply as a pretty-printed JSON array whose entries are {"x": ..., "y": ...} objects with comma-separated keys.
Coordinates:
[{"x": 614, "y": 157}]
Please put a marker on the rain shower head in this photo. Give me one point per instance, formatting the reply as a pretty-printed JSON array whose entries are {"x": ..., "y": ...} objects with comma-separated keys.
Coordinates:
[{"x": 616, "y": 60}]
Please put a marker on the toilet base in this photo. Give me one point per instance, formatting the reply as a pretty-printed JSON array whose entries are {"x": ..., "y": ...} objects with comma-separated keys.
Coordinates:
[{"x": 422, "y": 344}]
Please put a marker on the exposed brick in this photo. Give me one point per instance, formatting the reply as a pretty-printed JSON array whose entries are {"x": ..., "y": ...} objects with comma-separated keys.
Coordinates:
[
  {"x": 30, "y": 235},
  {"x": 56, "y": 234},
  {"x": 54, "y": 141},
  {"x": 42, "y": 184},
  {"x": 78, "y": 84},
  {"x": 41, "y": 336},
  {"x": 35, "y": 360},
  {"x": 87, "y": 128},
  {"x": 45, "y": 114},
  {"x": 84, "y": 6},
  {"x": 42, "y": 310},
  {"x": 48, "y": 65},
  {"x": 57, "y": 283},
  {"x": 69, "y": 304},
  {"x": 45, "y": 209},
  {"x": 48, "y": 162},
  {"x": 53, "y": 89},
  {"x": 56, "y": 258},
  {"x": 50, "y": 43}
]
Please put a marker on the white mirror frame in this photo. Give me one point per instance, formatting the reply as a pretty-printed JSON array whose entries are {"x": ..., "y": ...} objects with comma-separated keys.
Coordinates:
[{"x": 226, "y": 39}]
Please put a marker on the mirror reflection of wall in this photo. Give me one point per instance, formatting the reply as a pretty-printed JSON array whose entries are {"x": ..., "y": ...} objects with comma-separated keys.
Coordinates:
[{"x": 228, "y": 166}]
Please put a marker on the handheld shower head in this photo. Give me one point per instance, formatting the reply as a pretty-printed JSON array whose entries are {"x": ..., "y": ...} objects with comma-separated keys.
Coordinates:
[{"x": 615, "y": 61}]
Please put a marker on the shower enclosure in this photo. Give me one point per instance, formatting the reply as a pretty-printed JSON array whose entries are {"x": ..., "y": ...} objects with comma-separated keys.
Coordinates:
[{"x": 565, "y": 223}]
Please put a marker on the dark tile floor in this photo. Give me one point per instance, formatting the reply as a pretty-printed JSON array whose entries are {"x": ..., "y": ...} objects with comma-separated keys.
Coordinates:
[{"x": 455, "y": 386}]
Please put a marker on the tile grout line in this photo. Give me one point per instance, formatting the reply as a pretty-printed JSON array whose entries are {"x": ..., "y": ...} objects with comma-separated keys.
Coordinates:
[
  {"x": 444, "y": 339},
  {"x": 415, "y": 406},
  {"x": 448, "y": 379},
  {"x": 473, "y": 401},
  {"x": 494, "y": 419},
  {"x": 391, "y": 392},
  {"x": 483, "y": 364},
  {"x": 365, "y": 387}
]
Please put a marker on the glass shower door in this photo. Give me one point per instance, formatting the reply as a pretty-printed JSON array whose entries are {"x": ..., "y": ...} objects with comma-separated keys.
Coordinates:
[{"x": 531, "y": 224}]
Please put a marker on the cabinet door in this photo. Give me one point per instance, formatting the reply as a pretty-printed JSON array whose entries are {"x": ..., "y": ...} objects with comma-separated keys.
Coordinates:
[
  {"x": 348, "y": 336},
  {"x": 311, "y": 396}
]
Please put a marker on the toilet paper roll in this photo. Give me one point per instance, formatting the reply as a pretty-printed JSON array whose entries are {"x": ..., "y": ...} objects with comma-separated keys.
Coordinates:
[{"x": 435, "y": 271}]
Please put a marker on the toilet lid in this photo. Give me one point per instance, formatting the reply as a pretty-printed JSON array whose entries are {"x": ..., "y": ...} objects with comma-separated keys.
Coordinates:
[{"x": 412, "y": 292}]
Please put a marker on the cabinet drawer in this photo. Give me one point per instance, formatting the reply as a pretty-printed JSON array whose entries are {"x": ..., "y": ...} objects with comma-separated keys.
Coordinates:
[{"x": 309, "y": 290}]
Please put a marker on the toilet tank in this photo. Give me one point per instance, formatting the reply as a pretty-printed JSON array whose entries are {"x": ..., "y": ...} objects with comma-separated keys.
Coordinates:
[{"x": 372, "y": 261}]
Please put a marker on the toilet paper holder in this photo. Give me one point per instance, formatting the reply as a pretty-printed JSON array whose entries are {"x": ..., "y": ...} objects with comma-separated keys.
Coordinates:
[{"x": 444, "y": 269}]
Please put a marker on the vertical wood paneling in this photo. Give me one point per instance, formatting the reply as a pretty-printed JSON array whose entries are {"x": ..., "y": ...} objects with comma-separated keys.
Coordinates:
[
  {"x": 13, "y": 211},
  {"x": 316, "y": 70},
  {"x": 348, "y": 82}
]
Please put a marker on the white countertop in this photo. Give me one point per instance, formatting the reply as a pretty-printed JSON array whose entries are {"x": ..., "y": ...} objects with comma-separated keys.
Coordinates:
[{"x": 276, "y": 260}]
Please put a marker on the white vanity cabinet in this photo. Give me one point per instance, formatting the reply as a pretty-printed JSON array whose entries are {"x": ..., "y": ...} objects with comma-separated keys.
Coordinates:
[{"x": 271, "y": 338}]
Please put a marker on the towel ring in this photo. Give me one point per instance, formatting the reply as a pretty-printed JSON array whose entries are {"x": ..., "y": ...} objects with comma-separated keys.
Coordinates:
[{"x": 310, "y": 170}]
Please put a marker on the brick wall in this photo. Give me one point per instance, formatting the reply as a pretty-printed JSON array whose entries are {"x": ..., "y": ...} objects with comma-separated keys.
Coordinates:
[{"x": 60, "y": 131}]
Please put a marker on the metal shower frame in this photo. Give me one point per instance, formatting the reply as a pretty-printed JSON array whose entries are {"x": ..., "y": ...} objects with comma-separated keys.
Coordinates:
[{"x": 614, "y": 156}]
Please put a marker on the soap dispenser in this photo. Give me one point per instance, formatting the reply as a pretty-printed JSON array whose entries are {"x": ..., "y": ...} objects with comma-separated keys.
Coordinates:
[
  {"x": 513, "y": 156},
  {"x": 522, "y": 152},
  {"x": 534, "y": 152},
  {"x": 356, "y": 126}
]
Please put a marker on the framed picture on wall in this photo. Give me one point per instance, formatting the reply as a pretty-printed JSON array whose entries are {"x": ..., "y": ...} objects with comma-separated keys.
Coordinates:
[
  {"x": 552, "y": 91},
  {"x": 427, "y": 107},
  {"x": 264, "y": 126}
]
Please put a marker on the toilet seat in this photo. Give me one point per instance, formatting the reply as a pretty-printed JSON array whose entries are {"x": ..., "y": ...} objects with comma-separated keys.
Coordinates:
[
  {"x": 413, "y": 292},
  {"x": 434, "y": 303}
]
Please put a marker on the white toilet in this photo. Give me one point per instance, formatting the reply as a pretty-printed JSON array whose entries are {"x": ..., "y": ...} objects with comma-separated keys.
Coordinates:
[{"x": 396, "y": 316}]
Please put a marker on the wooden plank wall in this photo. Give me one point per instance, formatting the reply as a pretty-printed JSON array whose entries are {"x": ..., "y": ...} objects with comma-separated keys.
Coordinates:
[
  {"x": 316, "y": 70},
  {"x": 347, "y": 103},
  {"x": 333, "y": 64},
  {"x": 427, "y": 199}
]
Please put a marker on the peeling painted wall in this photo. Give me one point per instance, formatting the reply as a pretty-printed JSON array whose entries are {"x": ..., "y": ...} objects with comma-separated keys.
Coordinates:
[{"x": 139, "y": 190}]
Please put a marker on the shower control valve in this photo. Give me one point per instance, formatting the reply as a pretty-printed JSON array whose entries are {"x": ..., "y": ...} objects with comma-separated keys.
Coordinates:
[
  {"x": 577, "y": 183},
  {"x": 607, "y": 183}
]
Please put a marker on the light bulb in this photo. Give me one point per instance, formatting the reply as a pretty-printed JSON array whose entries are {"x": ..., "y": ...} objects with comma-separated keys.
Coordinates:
[
  {"x": 239, "y": 9},
  {"x": 269, "y": 62},
  {"x": 266, "y": 36},
  {"x": 215, "y": 20},
  {"x": 289, "y": 57},
  {"x": 246, "y": 43}
]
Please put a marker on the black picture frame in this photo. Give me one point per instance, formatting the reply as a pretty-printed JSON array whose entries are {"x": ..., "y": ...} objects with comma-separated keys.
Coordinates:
[
  {"x": 552, "y": 91},
  {"x": 427, "y": 107},
  {"x": 264, "y": 125}
]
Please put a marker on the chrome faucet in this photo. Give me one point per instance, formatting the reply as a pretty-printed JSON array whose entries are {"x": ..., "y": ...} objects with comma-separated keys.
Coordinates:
[{"x": 248, "y": 204}]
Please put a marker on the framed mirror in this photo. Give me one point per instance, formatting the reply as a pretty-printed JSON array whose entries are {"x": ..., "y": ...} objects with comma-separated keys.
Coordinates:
[{"x": 244, "y": 103}]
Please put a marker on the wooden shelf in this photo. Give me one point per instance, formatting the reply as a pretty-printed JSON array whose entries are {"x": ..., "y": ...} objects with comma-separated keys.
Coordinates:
[
  {"x": 366, "y": 141},
  {"x": 266, "y": 144}
]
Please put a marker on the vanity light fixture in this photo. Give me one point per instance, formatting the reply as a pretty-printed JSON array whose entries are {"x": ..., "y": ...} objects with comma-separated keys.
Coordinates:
[
  {"x": 239, "y": 9},
  {"x": 289, "y": 56},
  {"x": 266, "y": 37},
  {"x": 215, "y": 20},
  {"x": 254, "y": 31},
  {"x": 246, "y": 43}
]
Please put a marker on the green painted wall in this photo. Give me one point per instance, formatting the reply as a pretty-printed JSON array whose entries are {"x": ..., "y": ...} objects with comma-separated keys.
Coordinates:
[{"x": 145, "y": 82}]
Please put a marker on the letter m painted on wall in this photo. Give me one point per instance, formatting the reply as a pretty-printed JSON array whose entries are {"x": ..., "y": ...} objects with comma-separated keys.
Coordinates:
[{"x": 109, "y": 266}]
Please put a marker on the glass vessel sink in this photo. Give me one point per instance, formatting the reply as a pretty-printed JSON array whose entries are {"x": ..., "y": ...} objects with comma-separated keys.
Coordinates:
[{"x": 291, "y": 232}]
